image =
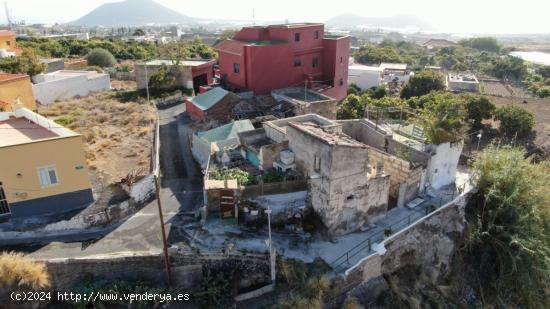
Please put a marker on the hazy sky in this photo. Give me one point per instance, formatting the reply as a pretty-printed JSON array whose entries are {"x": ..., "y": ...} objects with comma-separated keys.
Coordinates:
[{"x": 461, "y": 16}]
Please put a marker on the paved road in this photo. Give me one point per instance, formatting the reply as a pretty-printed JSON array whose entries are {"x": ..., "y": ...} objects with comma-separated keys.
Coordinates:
[{"x": 181, "y": 184}]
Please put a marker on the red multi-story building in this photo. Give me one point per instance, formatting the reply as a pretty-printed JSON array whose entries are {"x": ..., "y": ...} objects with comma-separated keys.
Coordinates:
[{"x": 262, "y": 59}]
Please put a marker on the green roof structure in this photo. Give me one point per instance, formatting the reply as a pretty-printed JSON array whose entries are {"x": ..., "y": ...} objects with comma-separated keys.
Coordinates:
[
  {"x": 227, "y": 131},
  {"x": 210, "y": 98}
]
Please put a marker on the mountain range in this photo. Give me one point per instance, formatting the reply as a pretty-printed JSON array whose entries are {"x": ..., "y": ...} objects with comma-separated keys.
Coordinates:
[
  {"x": 396, "y": 22},
  {"x": 132, "y": 13},
  {"x": 141, "y": 12}
]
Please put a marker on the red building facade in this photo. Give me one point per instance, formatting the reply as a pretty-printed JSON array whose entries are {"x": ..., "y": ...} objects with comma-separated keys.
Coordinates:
[{"x": 262, "y": 59}]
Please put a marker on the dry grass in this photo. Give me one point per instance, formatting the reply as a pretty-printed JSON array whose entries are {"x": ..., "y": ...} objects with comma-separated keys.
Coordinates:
[
  {"x": 117, "y": 136},
  {"x": 18, "y": 271}
]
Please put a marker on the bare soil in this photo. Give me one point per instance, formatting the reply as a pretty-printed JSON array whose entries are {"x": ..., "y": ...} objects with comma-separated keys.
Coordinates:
[{"x": 117, "y": 135}]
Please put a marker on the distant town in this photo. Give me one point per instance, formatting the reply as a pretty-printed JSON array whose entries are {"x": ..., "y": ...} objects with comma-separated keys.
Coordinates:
[{"x": 161, "y": 162}]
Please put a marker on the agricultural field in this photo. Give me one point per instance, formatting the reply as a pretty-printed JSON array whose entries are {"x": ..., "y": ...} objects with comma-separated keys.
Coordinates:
[
  {"x": 117, "y": 135},
  {"x": 499, "y": 89}
]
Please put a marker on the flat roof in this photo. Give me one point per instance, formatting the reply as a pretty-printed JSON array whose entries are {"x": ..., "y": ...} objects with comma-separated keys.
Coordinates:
[
  {"x": 296, "y": 25},
  {"x": 393, "y": 66},
  {"x": 20, "y": 131},
  {"x": 24, "y": 126},
  {"x": 463, "y": 78},
  {"x": 327, "y": 136},
  {"x": 188, "y": 63},
  {"x": 7, "y": 77},
  {"x": 365, "y": 68}
]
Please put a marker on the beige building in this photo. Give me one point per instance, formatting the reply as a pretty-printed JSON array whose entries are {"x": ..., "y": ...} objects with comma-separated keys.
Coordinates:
[{"x": 42, "y": 165}]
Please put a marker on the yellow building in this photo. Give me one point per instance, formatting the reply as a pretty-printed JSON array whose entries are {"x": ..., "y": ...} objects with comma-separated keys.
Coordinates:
[
  {"x": 16, "y": 92},
  {"x": 7, "y": 43},
  {"x": 42, "y": 166}
]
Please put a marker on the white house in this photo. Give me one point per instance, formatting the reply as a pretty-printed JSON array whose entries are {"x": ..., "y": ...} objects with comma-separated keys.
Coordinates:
[
  {"x": 365, "y": 77},
  {"x": 65, "y": 84}
]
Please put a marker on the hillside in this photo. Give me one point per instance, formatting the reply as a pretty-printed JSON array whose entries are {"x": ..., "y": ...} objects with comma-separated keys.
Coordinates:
[
  {"x": 397, "y": 22},
  {"x": 130, "y": 13}
]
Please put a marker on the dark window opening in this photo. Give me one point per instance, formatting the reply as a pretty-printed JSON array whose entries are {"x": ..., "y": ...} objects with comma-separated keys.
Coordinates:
[
  {"x": 237, "y": 68},
  {"x": 297, "y": 62},
  {"x": 341, "y": 82},
  {"x": 341, "y": 59},
  {"x": 316, "y": 35},
  {"x": 349, "y": 198},
  {"x": 317, "y": 163},
  {"x": 4, "y": 207},
  {"x": 296, "y": 37},
  {"x": 314, "y": 62}
]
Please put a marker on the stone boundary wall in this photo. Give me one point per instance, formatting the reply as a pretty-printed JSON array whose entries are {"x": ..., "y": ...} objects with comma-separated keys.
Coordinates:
[{"x": 187, "y": 270}]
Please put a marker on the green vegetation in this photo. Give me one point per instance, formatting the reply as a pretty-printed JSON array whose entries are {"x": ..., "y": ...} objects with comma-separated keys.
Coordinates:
[
  {"x": 507, "y": 251},
  {"x": 27, "y": 63},
  {"x": 273, "y": 176},
  {"x": 508, "y": 67},
  {"x": 423, "y": 83},
  {"x": 162, "y": 78},
  {"x": 515, "y": 121},
  {"x": 62, "y": 48},
  {"x": 65, "y": 120},
  {"x": 443, "y": 117},
  {"x": 215, "y": 290},
  {"x": 482, "y": 43},
  {"x": 479, "y": 108},
  {"x": 372, "y": 54},
  {"x": 243, "y": 177},
  {"x": 100, "y": 57}
]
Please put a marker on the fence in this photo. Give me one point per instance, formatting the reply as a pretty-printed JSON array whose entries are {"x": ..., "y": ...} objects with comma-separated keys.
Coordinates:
[
  {"x": 365, "y": 246},
  {"x": 123, "y": 75}
]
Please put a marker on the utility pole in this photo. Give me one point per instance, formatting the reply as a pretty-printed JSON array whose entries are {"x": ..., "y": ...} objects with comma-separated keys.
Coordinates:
[
  {"x": 272, "y": 255},
  {"x": 146, "y": 81},
  {"x": 164, "y": 242}
]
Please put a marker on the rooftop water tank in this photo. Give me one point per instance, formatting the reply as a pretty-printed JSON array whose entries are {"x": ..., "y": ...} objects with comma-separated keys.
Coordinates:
[{"x": 287, "y": 156}]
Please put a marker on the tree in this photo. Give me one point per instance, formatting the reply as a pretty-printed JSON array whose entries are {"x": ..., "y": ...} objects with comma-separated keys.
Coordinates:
[
  {"x": 423, "y": 83},
  {"x": 482, "y": 43},
  {"x": 507, "y": 249},
  {"x": 352, "y": 107},
  {"x": 443, "y": 118},
  {"x": 162, "y": 78},
  {"x": 479, "y": 108},
  {"x": 101, "y": 58},
  {"x": 139, "y": 32},
  {"x": 508, "y": 67},
  {"x": 372, "y": 54},
  {"x": 515, "y": 120}
]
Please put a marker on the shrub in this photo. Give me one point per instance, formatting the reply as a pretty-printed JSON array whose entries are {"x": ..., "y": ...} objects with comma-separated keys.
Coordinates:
[
  {"x": 243, "y": 177},
  {"x": 100, "y": 57},
  {"x": 65, "y": 120},
  {"x": 18, "y": 271},
  {"x": 544, "y": 92},
  {"x": 515, "y": 120},
  {"x": 161, "y": 79},
  {"x": 508, "y": 245}
]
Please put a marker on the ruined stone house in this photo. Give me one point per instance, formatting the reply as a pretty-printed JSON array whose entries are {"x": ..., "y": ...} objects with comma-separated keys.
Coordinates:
[{"x": 346, "y": 192}]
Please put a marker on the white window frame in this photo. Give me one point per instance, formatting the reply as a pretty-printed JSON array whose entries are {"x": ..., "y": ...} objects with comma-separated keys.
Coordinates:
[{"x": 47, "y": 169}]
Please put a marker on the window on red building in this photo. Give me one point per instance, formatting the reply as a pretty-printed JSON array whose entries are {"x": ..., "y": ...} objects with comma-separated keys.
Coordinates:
[
  {"x": 316, "y": 35},
  {"x": 314, "y": 62},
  {"x": 297, "y": 62},
  {"x": 296, "y": 37},
  {"x": 341, "y": 82},
  {"x": 237, "y": 68}
]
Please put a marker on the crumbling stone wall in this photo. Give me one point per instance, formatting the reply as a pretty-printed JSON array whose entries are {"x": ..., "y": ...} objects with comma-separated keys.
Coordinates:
[
  {"x": 341, "y": 191},
  {"x": 401, "y": 174}
]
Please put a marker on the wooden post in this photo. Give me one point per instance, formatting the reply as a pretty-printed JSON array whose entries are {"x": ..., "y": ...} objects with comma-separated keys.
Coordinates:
[{"x": 164, "y": 242}]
